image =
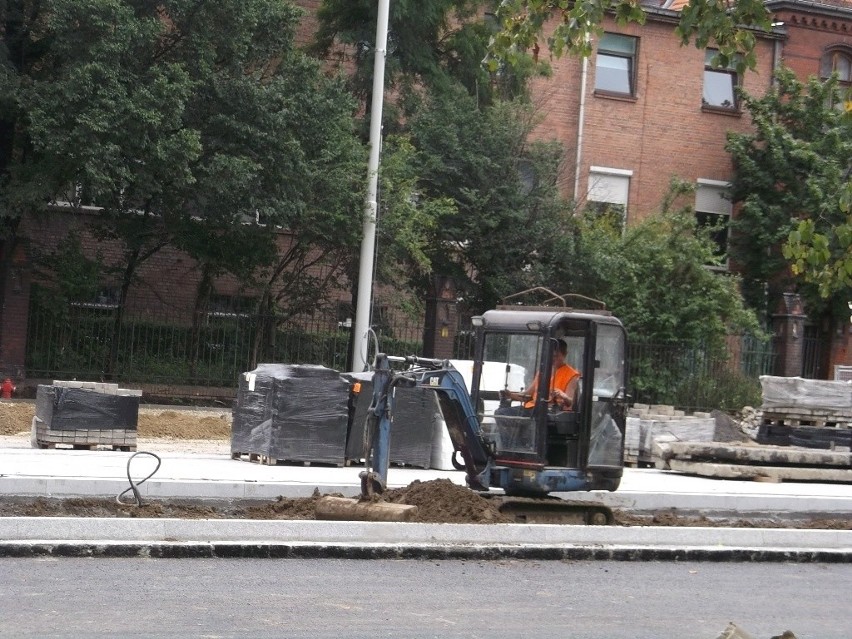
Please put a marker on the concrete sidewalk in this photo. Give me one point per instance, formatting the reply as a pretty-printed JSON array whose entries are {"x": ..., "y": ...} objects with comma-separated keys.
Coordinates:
[{"x": 65, "y": 473}]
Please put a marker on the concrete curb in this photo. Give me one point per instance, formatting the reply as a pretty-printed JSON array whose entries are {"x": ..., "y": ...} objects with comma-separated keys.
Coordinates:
[
  {"x": 113, "y": 537},
  {"x": 311, "y": 550}
]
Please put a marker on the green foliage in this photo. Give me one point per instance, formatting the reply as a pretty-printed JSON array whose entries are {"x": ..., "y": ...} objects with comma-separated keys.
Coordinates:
[
  {"x": 820, "y": 252},
  {"x": 654, "y": 275},
  {"x": 182, "y": 121},
  {"x": 503, "y": 186},
  {"x": 728, "y": 26},
  {"x": 433, "y": 43},
  {"x": 75, "y": 277},
  {"x": 790, "y": 177}
]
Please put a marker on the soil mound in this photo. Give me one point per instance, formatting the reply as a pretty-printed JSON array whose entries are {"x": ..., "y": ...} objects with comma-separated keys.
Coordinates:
[{"x": 17, "y": 417}]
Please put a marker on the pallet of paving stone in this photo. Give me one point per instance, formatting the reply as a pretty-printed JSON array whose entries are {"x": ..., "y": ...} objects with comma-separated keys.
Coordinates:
[
  {"x": 290, "y": 413},
  {"x": 797, "y": 393},
  {"x": 83, "y": 439},
  {"x": 85, "y": 415}
]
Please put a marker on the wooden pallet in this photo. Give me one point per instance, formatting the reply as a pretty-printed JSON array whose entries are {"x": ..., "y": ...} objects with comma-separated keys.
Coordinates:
[
  {"x": 60, "y": 445},
  {"x": 266, "y": 460},
  {"x": 804, "y": 417}
]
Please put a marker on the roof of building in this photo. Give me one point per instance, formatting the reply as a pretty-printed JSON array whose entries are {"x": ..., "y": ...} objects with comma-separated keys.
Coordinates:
[{"x": 677, "y": 5}]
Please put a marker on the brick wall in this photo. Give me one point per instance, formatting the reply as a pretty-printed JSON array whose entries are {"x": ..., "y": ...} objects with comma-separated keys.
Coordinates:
[
  {"x": 809, "y": 33},
  {"x": 166, "y": 284},
  {"x": 661, "y": 133},
  {"x": 14, "y": 314}
]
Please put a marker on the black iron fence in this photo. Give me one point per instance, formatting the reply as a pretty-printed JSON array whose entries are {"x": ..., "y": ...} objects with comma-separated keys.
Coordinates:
[
  {"x": 699, "y": 376},
  {"x": 86, "y": 343}
]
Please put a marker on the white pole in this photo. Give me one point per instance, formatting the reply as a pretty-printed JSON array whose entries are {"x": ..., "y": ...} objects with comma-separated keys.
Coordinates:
[{"x": 360, "y": 341}]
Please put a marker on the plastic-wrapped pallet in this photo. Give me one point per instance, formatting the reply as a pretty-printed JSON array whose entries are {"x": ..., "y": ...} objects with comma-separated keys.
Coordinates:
[
  {"x": 62, "y": 408},
  {"x": 291, "y": 413},
  {"x": 85, "y": 415},
  {"x": 415, "y": 421}
]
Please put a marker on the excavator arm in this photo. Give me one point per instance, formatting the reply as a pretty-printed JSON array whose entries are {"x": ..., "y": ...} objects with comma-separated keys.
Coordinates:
[{"x": 430, "y": 375}]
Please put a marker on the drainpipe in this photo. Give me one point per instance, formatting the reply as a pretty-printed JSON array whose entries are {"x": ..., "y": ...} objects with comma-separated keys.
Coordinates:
[{"x": 580, "y": 125}]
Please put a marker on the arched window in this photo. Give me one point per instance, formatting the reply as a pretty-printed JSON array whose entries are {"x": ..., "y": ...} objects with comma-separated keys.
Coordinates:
[{"x": 840, "y": 61}]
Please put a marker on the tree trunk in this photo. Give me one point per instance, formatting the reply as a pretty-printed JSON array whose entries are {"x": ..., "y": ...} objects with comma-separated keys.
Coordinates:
[
  {"x": 202, "y": 298},
  {"x": 118, "y": 320}
]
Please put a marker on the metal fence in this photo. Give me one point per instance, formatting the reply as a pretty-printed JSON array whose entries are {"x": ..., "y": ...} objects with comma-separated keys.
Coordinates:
[
  {"x": 84, "y": 342},
  {"x": 698, "y": 376}
]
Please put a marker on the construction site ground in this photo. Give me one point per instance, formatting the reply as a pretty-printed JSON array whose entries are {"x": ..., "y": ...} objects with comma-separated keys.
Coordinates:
[{"x": 206, "y": 431}]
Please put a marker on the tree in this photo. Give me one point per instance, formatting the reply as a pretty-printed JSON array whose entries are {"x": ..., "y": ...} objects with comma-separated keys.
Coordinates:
[
  {"x": 820, "y": 249},
  {"x": 507, "y": 208},
  {"x": 789, "y": 179},
  {"x": 455, "y": 155},
  {"x": 183, "y": 121},
  {"x": 522, "y": 22},
  {"x": 432, "y": 43},
  {"x": 653, "y": 275}
]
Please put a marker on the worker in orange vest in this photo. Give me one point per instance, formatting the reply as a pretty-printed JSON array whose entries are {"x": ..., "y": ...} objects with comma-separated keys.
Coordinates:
[{"x": 7, "y": 388}]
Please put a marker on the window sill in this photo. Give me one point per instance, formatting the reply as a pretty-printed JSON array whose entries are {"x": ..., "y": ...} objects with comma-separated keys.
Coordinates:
[
  {"x": 731, "y": 112},
  {"x": 621, "y": 97}
]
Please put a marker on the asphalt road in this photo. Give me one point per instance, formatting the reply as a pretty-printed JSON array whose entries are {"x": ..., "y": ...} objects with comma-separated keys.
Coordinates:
[{"x": 81, "y": 598}]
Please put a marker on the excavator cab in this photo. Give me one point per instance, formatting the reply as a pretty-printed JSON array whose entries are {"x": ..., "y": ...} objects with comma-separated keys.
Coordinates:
[{"x": 541, "y": 447}]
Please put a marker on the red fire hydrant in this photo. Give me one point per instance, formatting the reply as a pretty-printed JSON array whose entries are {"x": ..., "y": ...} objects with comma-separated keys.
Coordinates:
[{"x": 7, "y": 388}]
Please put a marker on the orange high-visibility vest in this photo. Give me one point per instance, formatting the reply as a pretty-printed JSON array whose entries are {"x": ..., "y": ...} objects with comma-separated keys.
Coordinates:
[{"x": 560, "y": 379}]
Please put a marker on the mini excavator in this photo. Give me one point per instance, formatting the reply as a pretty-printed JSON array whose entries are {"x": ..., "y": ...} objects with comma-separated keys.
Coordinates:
[{"x": 529, "y": 455}]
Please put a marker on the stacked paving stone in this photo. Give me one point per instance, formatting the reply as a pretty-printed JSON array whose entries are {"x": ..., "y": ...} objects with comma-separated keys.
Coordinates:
[
  {"x": 648, "y": 426},
  {"x": 806, "y": 412},
  {"x": 85, "y": 415}
]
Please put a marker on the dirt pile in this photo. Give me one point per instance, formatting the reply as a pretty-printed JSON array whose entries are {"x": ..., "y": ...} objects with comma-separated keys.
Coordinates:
[
  {"x": 438, "y": 501},
  {"x": 17, "y": 417}
]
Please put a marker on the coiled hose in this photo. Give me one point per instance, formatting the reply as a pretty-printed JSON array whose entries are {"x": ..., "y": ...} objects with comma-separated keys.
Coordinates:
[{"x": 134, "y": 486}]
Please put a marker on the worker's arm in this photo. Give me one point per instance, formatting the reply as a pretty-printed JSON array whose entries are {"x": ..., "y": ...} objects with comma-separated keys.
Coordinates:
[
  {"x": 565, "y": 398},
  {"x": 516, "y": 396},
  {"x": 521, "y": 396}
]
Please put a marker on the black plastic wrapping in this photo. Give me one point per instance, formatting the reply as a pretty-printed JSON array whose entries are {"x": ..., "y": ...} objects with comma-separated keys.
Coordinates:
[
  {"x": 79, "y": 409},
  {"x": 413, "y": 428},
  {"x": 292, "y": 413}
]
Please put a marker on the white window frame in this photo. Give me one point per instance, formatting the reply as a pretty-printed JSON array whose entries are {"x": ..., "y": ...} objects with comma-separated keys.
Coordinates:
[
  {"x": 609, "y": 186},
  {"x": 710, "y": 200}
]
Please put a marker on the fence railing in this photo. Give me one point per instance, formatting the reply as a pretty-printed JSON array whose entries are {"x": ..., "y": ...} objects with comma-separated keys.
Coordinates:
[
  {"x": 699, "y": 377},
  {"x": 85, "y": 343}
]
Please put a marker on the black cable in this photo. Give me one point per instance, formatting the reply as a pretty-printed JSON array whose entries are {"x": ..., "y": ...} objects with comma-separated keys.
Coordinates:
[{"x": 134, "y": 485}]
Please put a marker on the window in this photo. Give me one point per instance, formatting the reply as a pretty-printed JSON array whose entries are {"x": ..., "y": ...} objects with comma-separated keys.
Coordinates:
[
  {"x": 608, "y": 191},
  {"x": 230, "y": 305},
  {"x": 713, "y": 210},
  {"x": 616, "y": 64},
  {"x": 720, "y": 83},
  {"x": 840, "y": 62}
]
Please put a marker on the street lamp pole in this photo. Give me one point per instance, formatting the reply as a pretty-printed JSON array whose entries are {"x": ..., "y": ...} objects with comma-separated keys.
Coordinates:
[{"x": 360, "y": 336}]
